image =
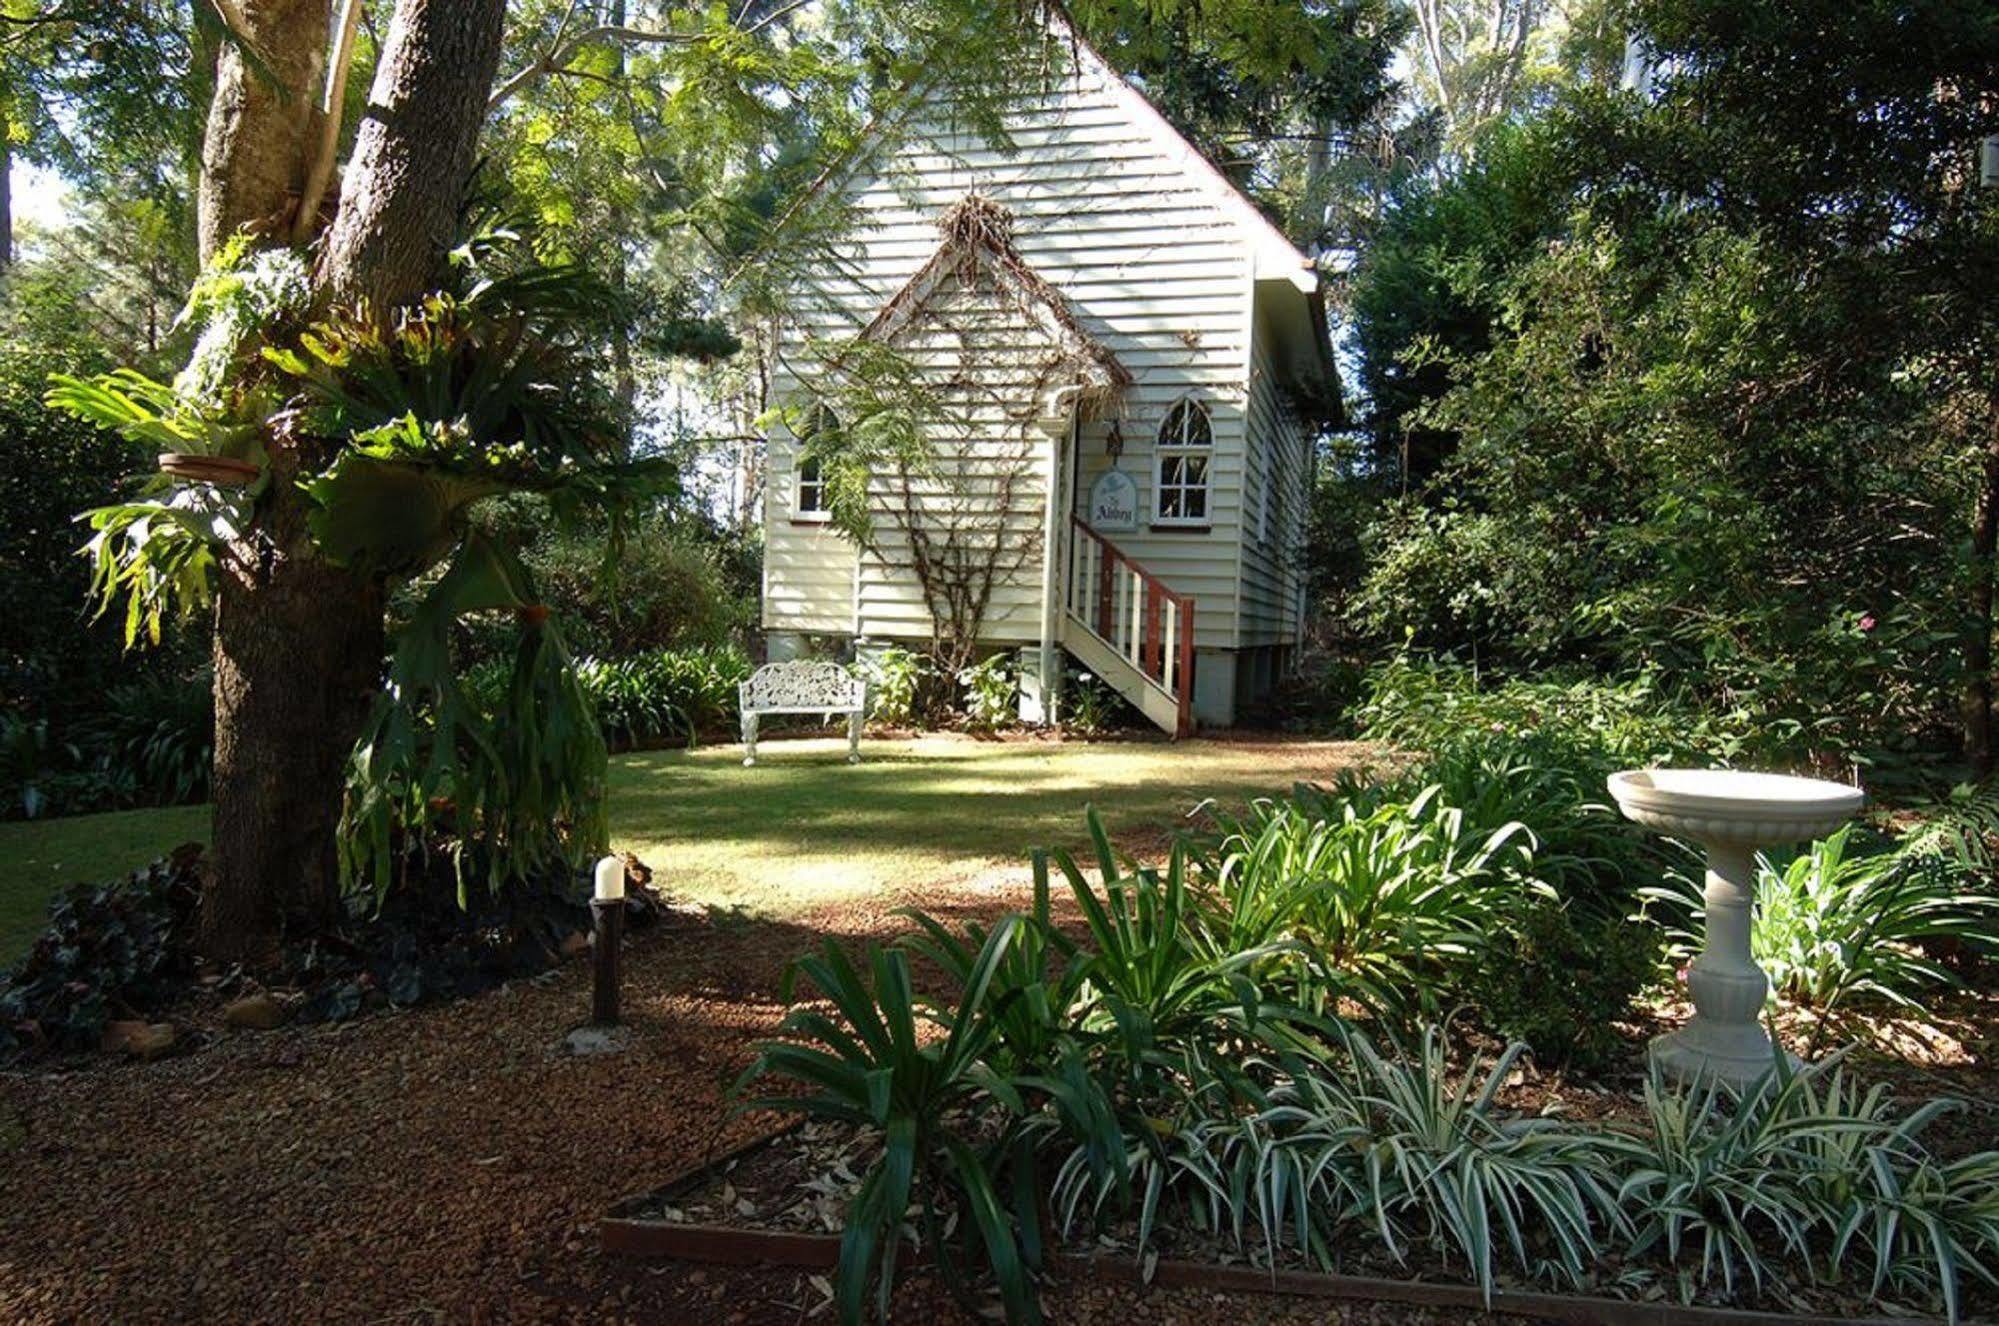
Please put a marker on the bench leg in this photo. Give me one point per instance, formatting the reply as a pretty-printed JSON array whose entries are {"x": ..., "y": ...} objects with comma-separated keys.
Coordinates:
[
  {"x": 749, "y": 738},
  {"x": 854, "y": 737}
]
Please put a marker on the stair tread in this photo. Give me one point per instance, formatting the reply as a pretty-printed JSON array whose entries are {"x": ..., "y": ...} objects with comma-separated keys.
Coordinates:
[{"x": 1158, "y": 704}]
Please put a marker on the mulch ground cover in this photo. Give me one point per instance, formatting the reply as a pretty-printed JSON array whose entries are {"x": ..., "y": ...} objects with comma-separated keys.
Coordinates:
[{"x": 450, "y": 1163}]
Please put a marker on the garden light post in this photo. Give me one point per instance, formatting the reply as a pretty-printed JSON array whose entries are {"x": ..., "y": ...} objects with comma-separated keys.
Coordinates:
[
  {"x": 607, "y": 930},
  {"x": 1730, "y": 814}
]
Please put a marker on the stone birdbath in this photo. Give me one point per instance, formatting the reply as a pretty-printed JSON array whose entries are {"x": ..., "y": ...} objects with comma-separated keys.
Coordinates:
[{"x": 1730, "y": 813}]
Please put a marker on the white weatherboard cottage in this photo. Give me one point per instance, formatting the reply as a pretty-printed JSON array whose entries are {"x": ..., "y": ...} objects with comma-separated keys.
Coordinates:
[{"x": 1137, "y": 361}]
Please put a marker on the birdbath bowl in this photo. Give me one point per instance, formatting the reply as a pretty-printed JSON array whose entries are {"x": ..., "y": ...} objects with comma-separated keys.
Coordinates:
[{"x": 1731, "y": 814}]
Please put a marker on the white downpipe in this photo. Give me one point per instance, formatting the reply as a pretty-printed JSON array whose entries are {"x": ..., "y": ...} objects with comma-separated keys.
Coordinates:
[{"x": 1053, "y": 531}]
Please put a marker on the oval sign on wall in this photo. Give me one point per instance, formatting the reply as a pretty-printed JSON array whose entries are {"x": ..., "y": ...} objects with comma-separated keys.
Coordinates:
[{"x": 1114, "y": 502}]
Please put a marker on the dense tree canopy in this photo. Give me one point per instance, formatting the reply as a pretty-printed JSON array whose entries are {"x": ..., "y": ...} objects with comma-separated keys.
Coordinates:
[{"x": 1690, "y": 380}]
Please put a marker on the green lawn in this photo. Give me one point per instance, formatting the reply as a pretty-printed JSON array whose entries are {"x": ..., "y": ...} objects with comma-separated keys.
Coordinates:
[
  {"x": 801, "y": 830},
  {"x": 39, "y": 857}
]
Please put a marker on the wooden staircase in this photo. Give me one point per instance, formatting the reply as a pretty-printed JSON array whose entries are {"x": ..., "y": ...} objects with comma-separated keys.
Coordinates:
[{"x": 1123, "y": 624}]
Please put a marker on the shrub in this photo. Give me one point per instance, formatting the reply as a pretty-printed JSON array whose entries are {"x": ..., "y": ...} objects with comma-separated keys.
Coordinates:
[
  {"x": 666, "y": 589},
  {"x": 1445, "y": 1167},
  {"x": 1153, "y": 1066},
  {"x": 1959, "y": 830},
  {"x": 1033, "y": 991},
  {"x": 1798, "y": 1169},
  {"x": 1554, "y": 977},
  {"x": 1167, "y": 974},
  {"x": 148, "y": 741},
  {"x": 1385, "y": 903},
  {"x": 1848, "y": 919},
  {"x": 895, "y": 681},
  {"x": 1322, "y": 697},
  {"x": 162, "y": 729},
  {"x": 1803, "y": 1175},
  {"x": 665, "y": 695},
  {"x": 1552, "y": 783},
  {"x": 109, "y": 950},
  {"x": 29, "y": 757},
  {"x": 1431, "y": 705},
  {"x": 1399, "y": 1151},
  {"x": 992, "y": 692},
  {"x": 1090, "y": 708}
]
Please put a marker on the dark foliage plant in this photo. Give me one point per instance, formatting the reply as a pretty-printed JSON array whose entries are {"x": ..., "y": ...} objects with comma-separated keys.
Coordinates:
[
  {"x": 112, "y": 950},
  {"x": 125, "y": 949},
  {"x": 148, "y": 741},
  {"x": 1554, "y": 979},
  {"x": 425, "y": 945}
]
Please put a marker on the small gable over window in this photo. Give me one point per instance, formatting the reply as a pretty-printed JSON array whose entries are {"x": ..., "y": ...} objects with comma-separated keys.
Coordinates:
[{"x": 1186, "y": 451}]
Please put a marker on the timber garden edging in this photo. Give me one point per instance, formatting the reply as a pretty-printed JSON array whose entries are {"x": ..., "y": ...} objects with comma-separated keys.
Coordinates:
[{"x": 624, "y": 1232}]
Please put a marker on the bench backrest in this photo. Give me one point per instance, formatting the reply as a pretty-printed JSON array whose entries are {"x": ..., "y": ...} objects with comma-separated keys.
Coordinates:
[{"x": 803, "y": 686}]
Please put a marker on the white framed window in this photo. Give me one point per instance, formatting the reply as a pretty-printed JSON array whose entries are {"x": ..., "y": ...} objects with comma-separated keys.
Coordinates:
[
  {"x": 1186, "y": 453},
  {"x": 809, "y": 497}
]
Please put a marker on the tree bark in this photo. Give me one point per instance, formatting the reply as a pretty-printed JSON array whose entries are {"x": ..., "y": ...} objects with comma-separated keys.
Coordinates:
[
  {"x": 299, "y": 642},
  {"x": 413, "y": 155},
  {"x": 261, "y": 135},
  {"x": 1977, "y": 703},
  {"x": 298, "y": 661},
  {"x": 276, "y": 631},
  {"x": 6, "y": 197}
]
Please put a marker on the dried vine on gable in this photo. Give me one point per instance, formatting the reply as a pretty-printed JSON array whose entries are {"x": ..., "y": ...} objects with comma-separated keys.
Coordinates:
[{"x": 962, "y": 512}]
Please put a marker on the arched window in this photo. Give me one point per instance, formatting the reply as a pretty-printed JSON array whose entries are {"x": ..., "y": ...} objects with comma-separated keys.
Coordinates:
[
  {"x": 809, "y": 498},
  {"x": 1186, "y": 449}
]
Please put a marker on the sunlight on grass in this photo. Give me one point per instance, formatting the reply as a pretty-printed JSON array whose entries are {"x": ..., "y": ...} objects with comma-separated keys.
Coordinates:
[
  {"x": 805, "y": 830},
  {"x": 802, "y": 830},
  {"x": 39, "y": 857}
]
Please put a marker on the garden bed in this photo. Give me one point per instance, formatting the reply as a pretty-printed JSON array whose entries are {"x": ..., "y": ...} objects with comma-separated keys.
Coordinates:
[{"x": 776, "y": 1201}]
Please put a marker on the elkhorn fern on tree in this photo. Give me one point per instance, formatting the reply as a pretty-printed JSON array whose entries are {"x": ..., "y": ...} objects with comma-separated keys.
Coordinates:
[{"x": 398, "y": 424}]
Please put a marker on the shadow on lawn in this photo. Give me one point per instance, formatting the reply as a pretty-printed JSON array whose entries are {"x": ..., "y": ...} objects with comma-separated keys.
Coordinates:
[
  {"x": 739, "y": 956},
  {"x": 998, "y": 802}
]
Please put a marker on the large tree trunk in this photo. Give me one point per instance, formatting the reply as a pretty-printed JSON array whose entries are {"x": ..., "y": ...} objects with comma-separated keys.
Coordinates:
[
  {"x": 298, "y": 661},
  {"x": 413, "y": 156},
  {"x": 299, "y": 642},
  {"x": 272, "y": 838},
  {"x": 261, "y": 134}
]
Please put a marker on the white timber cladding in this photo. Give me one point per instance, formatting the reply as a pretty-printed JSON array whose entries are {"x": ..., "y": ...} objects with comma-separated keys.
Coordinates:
[
  {"x": 1155, "y": 260},
  {"x": 991, "y": 361},
  {"x": 1280, "y": 478}
]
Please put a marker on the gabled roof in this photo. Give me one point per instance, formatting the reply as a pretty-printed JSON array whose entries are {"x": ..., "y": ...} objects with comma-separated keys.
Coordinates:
[
  {"x": 1286, "y": 280},
  {"x": 978, "y": 242},
  {"x": 1276, "y": 255}
]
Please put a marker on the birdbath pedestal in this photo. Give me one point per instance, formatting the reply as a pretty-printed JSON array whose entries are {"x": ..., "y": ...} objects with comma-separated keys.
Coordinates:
[{"x": 1731, "y": 814}]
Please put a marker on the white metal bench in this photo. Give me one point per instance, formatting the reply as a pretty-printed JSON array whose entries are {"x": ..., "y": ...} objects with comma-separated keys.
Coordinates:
[{"x": 803, "y": 688}]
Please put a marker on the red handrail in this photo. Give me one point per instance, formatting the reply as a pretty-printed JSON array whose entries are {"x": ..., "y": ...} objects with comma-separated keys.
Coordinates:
[
  {"x": 1152, "y": 650},
  {"x": 1112, "y": 551}
]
